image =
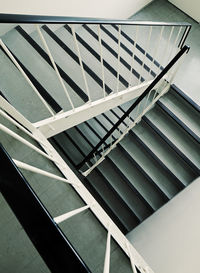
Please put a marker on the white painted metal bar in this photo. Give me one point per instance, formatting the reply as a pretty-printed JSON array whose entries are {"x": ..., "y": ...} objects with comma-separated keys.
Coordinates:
[
  {"x": 69, "y": 119},
  {"x": 8, "y": 108},
  {"x": 133, "y": 52},
  {"x": 67, "y": 215},
  {"x": 81, "y": 63},
  {"x": 2, "y": 113},
  {"x": 131, "y": 258},
  {"x": 30, "y": 168},
  {"x": 167, "y": 47},
  {"x": 118, "y": 57},
  {"x": 101, "y": 58},
  {"x": 54, "y": 65},
  {"x": 22, "y": 140},
  {"x": 173, "y": 46},
  {"x": 107, "y": 253},
  {"x": 158, "y": 45},
  {"x": 95, "y": 157},
  {"x": 25, "y": 76},
  {"x": 146, "y": 51}
]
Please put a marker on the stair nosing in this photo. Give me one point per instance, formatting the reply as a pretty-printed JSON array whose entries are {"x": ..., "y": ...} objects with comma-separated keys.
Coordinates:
[
  {"x": 172, "y": 145},
  {"x": 178, "y": 121}
]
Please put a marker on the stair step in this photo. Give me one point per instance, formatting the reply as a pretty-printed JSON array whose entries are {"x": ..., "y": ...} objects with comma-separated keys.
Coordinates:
[
  {"x": 160, "y": 176},
  {"x": 90, "y": 58},
  {"x": 184, "y": 96},
  {"x": 144, "y": 186},
  {"x": 27, "y": 50},
  {"x": 124, "y": 190},
  {"x": 71, "y": 61},
  {"x": 19, "y": 93},
  {"x": 90, "y": 53},
  {"x": 176, "y": 135},
  {"x": 109, "y": 54},
  {"x": 88, "y": 132},
  {"x": 110, "y": 35},
  {"x": 109, "y": 195},
  {"x": 79, "y": 140},
  {"x": 164, "y": 152},
  {"x": 69, "y": 148},
  {"x": 184, "y": 113}
]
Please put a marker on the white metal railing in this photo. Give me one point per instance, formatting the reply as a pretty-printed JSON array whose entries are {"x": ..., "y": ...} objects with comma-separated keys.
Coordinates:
[
  {"x": 172, "y": 36},
  {"x": 70, "y": 178},
  {"x": 146, "y": 61}
]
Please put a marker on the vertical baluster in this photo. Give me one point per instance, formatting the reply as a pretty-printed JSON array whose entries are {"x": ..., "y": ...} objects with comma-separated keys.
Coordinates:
[
  {"x": 146, "y": 102},
  {"x": 95, "y": 157},
  {"x": 101, "y": 58},
  {"x": 138, "y": 108},
  {"x": 107, "y": 254},
  {"x": 131, "y": 258},
  {"x": 166, "y": 47},
  {"x": 174, "y": 47},
  {"x": 102, "y": 147},
  {"x": 144, "y": 57},
  {"x": 81, "y": 63},
  {"x": 118, "y": 58},
  {"x": 54, "y": 65},
  {"x": 25, "y": 76},
  {"x": 157, "y": 47},
  {"x": 133, "y": 52}
]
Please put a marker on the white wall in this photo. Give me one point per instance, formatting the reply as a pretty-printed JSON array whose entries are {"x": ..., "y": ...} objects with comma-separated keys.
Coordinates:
[
  {"x": 169, "y": 240},
  {"x": 191, "y": 7},
  {"x": 119, "y": 9}
]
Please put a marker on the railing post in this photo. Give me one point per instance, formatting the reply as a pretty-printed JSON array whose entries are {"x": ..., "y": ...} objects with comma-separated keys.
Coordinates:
[
  {"x": 118, "y": 57},
  {"x": 101, "y": 57},
  {"x": 81, "y": 63}
]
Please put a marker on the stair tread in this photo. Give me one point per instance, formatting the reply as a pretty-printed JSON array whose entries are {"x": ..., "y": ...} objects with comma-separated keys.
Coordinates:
[
  {"x": 40, "y": 69},
  {"x": 19, "y": 92},
  {"x": 70, "y": 62},
  {"x": 147, "y": 190},
  {"x": 124, "y": 190},
  {"x": 61, "y": 58},
  {"x": 150, "y": 166},
  {"x": 90, "y": 53},
  {"x": 110, "y": 59},
  {"x": 175, "y": 134},
  {"x": 183, "y": 111},
  {"x": 126, "y": 217},
  {"x": 164, "y": 152},
  {"x": 110, "y": 34},
  {"x": 69, "y": 148},
  {"x": 79, "y": 140},
  {"x": 89, "y": 134}
]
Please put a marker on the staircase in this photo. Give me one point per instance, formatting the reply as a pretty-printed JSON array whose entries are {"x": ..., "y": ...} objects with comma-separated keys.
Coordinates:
[
  {"x": 155, "y": 161},
  {"x": 85, "y": 78}
]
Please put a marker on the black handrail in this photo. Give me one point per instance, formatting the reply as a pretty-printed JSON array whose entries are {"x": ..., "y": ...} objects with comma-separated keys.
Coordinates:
[
  {"x": 44, "y": 19},
  {"x": 133, "y": 106},
  {"x": 53, "y": 246}
]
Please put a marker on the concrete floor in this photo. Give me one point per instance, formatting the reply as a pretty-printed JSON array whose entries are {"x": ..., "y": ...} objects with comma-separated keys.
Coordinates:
[{"x": 187, "y": 77}]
